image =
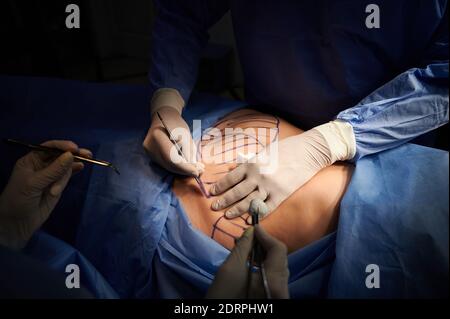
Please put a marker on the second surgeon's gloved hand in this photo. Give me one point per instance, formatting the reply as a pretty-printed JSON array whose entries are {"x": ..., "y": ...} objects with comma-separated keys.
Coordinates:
[
  {"x": 297, "y": 159},
  {"x": 168, "y": 103},
  {"x": 231, "y": 280},
  {"x": 33, "y": 190}
]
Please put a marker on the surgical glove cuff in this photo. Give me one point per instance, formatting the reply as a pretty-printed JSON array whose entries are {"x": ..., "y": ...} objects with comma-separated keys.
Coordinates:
[
  {"x": 167, "y": 97},
  {"x": 340, "y": 139}
]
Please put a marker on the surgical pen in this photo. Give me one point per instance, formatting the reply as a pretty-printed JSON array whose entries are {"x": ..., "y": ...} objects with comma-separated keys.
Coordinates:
[
  {"x": 256, "y": 253},
  {"x": 57, "y": 151},
  {"x": 180, "y": 151}
]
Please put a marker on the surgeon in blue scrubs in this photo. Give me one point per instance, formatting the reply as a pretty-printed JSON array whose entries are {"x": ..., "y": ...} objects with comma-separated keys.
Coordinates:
[{"x": 361, "y": 76}]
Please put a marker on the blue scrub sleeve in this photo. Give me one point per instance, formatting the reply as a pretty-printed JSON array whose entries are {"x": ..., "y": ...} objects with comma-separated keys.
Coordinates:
[
  {"x": 180, "y": 33},
  {"x": 413, "y": 103}
]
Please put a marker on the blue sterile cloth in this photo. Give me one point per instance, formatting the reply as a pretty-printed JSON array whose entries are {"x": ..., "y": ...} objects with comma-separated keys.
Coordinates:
[
  {"x": 133, "y": 231},
  {"x": 58, "y": 255},
  {"x": 395, "y": 215}
]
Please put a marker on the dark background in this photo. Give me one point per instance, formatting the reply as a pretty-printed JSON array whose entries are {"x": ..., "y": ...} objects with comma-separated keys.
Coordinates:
[{"x": 113, "y": 44}]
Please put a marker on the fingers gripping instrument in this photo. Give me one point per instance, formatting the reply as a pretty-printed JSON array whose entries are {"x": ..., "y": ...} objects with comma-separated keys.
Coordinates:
[
  {"x": 57, "y": 152},
  {"x": 258, "y": 208},
  {"x": 180, "y": 152}
]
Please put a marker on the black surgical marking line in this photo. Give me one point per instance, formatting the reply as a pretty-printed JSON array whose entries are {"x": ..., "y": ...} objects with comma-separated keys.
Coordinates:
[
  {"x": 229, "y": 122},
  {"x": 225, "y": 139},
  {"x": 220, "y": 229},
  {"x": 216, "y": 227},
  {"x": 237, "y": 225},
  {"x": 275, "y": 121}
]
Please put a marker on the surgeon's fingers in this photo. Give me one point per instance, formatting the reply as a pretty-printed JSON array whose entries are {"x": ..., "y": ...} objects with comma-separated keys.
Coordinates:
[
  {"x": 232, "y": 277},
  {"x": 276, "y": 251},
  {"x": 169, "y": 157},
  {"x": 243, "y": 206},
  {"x": 228, "y": 181},
  {"x": 52, "y": 174},
  {"x": 237, "y": 259},
  {"x": 234, "y": 195},
  {"x": 37, "y": 160},
  {"x": 67, "y": 146},
  {"x": 85, "y": 152},
  {"x": 275, "y": 263},
  {"x": 64, "y": 145},
  {"x": 58, "y": 187},
  {"x": 79, "y": 166},
  {"x": 190, "y": 151}
]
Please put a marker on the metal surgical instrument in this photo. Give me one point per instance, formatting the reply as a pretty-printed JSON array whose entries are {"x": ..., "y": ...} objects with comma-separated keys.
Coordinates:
[
  {"x": 57, "y": 152},
  {"x": 258, "y": 208},
  {"x": 180, "y": 152}
]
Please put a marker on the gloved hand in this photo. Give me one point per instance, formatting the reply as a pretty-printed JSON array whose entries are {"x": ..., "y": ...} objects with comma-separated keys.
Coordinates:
[
  {"x": 231, "y": 280},
  {"x": 159, "y": 147},
  {"x": 33, "y": 190},
  {"x": 295, "y": 160}
]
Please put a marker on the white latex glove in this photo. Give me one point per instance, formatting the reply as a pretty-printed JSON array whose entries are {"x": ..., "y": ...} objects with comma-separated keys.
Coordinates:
[
  {"x": 299, "y": 158},
  {"x": 33, "y": 190},
  {"x": 232, "y": 278},
  {"x": 159, "y": 147}
]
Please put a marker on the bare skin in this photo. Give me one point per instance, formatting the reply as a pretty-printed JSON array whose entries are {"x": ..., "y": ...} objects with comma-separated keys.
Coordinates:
[{"x": 306, "y": 216}]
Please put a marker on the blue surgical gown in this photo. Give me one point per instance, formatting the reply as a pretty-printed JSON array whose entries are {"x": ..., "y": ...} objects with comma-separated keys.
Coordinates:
[
  {"x": 313, "y": 61},
  {"x": 133, "y": 232}
]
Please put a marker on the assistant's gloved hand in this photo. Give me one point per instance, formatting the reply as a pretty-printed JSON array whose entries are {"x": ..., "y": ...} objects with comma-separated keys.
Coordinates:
[
  {"x": 33, "y": 190},
  {"x": 231, "y": 280},
  {"x": 292, "y": 162},
  {"x": 169, "y": 104}
]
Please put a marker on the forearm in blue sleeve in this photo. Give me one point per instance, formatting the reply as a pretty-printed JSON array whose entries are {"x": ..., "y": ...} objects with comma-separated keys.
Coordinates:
[
  {"x": 180, "y": 32},
  {"x": 413, "y": 103}
]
